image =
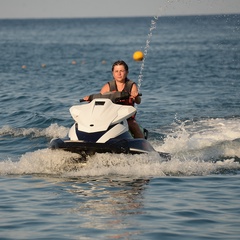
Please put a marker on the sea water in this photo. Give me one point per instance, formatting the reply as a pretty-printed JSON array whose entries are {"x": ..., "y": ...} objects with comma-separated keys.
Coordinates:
[{"x": 190, "y": 106}]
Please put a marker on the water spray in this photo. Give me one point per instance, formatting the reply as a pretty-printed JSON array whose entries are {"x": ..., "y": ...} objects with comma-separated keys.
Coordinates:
[
  {"x": 153, "y": 26},
  {"x": 149, "y": 36}
]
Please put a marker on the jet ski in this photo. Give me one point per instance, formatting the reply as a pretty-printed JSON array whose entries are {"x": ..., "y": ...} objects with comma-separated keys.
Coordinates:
[{"x": 100, "y": 126}]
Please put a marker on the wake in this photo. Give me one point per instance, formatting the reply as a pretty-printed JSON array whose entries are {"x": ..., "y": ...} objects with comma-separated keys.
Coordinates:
[
  {"x": 57, "y": 162},
  {"x": 203, "y": 147}
]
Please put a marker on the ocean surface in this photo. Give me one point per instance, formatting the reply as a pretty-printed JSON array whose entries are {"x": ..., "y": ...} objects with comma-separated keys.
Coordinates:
[{"x": 190, "y": 81}]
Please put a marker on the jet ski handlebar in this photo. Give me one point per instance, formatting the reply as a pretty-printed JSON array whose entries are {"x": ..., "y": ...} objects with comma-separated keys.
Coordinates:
[{"x": 115, "y": 97}]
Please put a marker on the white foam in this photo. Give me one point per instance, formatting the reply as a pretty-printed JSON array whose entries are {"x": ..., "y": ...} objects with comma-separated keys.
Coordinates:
[
  {"x": 208, "y": 139},
  {"x": 45, "y": 161},
  {"x": 54, "y": 130},
  {"x": 149, "y": 166},
  {"x": 58, "y": 162},
  {"x": 196, "y": 149}
]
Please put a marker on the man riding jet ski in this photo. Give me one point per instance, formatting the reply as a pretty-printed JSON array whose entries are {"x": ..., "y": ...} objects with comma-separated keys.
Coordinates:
[{"x": 101, "y": 127}]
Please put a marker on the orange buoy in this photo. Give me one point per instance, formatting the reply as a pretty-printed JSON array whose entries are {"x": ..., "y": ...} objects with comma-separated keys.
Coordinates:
[{"x": 138, "y": 56}]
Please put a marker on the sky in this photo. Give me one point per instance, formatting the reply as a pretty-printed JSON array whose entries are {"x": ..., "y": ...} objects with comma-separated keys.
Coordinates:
[{"x": 113, "y": 8}]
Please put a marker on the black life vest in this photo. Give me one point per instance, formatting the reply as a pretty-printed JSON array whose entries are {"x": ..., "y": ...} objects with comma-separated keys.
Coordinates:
[{"x": 127, "y": 88}]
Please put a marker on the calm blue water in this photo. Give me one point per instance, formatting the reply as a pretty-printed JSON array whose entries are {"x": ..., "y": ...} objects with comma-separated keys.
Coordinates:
[{"x": 190, "y": 106}]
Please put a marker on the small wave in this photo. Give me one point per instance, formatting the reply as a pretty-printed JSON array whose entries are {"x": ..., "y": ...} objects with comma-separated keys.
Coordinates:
[
  {"x": 44, "y": 161},
  {"x": 209, "y": 139},
  {"x": 62, "y": 163},
  {"x": 151, "y": 166},
  {"x": 204, "y": 147},
  {"x": 54, "y": 130}
]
